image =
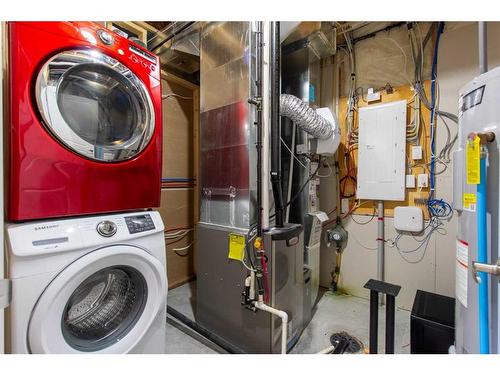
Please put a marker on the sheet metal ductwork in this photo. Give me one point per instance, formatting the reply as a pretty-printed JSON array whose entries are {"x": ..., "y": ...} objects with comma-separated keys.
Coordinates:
[{"x": 305, "y": 117}]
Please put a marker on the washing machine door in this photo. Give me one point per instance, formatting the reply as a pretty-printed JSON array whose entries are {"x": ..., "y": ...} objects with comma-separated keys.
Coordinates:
[
  {"x": 94, "y": 105},
  {"x": 104, "y": 302}
]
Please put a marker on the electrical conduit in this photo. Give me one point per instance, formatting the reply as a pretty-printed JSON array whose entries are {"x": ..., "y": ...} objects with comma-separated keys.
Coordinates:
[{"x": 482, "y": 257}]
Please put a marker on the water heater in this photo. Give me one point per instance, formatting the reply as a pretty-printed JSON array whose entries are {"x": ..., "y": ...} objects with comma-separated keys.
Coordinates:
[{"x": 476, "y": 199}]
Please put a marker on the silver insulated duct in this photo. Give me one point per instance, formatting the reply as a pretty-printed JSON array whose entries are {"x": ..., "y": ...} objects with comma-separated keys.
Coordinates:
[{"x": 305, "y": 117}]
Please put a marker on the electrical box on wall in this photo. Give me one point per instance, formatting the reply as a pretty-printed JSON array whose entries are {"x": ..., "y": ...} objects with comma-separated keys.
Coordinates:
[
  {"x": 382, "y": 151},
  {"x": 408, "y": 219}
]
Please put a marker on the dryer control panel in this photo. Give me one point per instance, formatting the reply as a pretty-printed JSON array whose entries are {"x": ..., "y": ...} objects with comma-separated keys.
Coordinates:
[{"x": 139, "y": 223}]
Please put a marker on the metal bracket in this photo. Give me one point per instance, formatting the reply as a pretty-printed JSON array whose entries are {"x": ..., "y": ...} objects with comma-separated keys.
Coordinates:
[
  {"x": 492, "y": 269},
  {"x": 5, "y": 293}
]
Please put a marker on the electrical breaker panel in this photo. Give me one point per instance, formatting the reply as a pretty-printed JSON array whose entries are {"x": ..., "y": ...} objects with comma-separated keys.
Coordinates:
[{"x": 382, "y": 151}]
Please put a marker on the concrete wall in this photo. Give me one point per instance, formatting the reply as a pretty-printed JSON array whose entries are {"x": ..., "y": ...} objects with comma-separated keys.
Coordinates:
[{"x": 458, "y": 64}]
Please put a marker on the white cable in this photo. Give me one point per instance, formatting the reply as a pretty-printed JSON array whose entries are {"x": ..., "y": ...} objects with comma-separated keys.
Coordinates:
[
  {"x": 169, "y": 95},
  {"x": 293, "y": 154},
  {"x": 405, "y": 58},
  {"x": 246, "y": 266},
  {"x": 361, "y": 244},
  {"x": 178, "y": 234},
  {"x": 183, "y": 248}
]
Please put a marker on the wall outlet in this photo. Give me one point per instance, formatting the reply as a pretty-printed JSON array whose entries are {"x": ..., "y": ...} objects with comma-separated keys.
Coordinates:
[
  {"x": 410, "y": 181},
  {"x": 416, "y": 152},
  {"x": 423, "y": 180}
]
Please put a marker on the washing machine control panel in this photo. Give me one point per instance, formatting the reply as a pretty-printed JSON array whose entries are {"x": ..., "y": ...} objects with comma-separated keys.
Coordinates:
[{"x": 139, "y": 223}]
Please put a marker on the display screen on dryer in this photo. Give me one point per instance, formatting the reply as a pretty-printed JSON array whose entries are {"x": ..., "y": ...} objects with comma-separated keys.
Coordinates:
[{"x": 139, "y": 223}]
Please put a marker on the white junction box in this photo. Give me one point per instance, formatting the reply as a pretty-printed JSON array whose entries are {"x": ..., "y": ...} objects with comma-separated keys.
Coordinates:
[
  {"x": 372, "y": 95},
  {"x": 382, "y": 151},
  {"x": 416, "y": 152},
  {"x": 423, "y": 180},
  {"x": 410, "y": 181},
  {"x": 408, "y": 219}
]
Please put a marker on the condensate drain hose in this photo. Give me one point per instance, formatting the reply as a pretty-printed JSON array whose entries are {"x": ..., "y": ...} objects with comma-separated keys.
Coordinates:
[{"x": 305, "y": 117}]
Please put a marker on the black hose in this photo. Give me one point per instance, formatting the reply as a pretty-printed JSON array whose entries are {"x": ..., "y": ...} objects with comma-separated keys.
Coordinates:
[
  {"x": 216, "y": 339},
  {"x": 276, "y": 123},
  {"x": 259, "y": 68}
]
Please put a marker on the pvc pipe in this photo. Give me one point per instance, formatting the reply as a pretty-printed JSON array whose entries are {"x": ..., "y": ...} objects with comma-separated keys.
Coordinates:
[
  {"x": 483, "y": 47},
  {"x": 252, "y": 285},
  {"x": 380, "y": 241},
  {"x": 284, "y": 322},
  {"x": 482, "y": 257}
]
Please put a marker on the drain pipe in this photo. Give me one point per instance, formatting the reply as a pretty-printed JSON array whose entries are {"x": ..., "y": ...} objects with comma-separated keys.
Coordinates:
[
  {"x": 380, "y": 241},
  {"x": 275, "y": 78},
  {"x": 483, "y": 47},
  {"x": 284, "y": 321}
]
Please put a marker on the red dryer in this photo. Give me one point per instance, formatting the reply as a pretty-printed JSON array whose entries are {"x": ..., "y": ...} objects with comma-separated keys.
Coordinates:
[{"x": 85, "y": 133}]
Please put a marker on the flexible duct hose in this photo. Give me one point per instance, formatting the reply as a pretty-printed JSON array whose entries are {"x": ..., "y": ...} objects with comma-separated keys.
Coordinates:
[{"x": 305, "y": 117}]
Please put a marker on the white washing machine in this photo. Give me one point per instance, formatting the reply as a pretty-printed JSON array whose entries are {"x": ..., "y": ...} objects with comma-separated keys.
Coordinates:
[{"x": 88, "y": 285}]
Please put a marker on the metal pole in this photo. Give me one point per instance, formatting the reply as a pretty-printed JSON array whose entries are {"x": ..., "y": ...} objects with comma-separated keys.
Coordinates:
[
  {"x": 483, "y": 47},
  {"x": 373, "y": 321},
  {"x": 380, "y": 241},
  {"x": 389, "y": 324}
]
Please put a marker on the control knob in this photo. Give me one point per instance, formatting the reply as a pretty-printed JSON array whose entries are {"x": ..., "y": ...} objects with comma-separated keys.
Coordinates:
[
  {"x": 105, "y": 37},
  {"x": 106, "y": 228}
]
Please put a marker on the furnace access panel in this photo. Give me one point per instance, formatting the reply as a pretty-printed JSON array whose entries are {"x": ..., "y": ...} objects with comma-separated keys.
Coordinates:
[{"x": 382, "y": 151}]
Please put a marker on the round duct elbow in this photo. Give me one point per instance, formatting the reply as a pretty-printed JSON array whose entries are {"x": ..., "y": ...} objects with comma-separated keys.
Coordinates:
[{"x": 305, "y": 117}]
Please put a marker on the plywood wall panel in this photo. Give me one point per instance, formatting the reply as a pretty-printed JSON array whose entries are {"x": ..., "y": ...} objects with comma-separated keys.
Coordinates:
[
  {"x": 177, "y": 131},
  {"x": 412, "y": 195},
  {"x": 179, "y": 203}
]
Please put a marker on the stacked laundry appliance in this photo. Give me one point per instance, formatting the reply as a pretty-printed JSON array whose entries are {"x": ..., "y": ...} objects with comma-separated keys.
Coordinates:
[{"x": 86, "y": 254}]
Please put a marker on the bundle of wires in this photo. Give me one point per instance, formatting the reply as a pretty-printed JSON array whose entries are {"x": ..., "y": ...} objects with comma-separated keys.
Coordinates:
[
  {"x": 423, "y": 239},
  {"x": 176, "y": 183},
  {"x": 438, "y": 209},
  {"x": 176, "y": 234}
]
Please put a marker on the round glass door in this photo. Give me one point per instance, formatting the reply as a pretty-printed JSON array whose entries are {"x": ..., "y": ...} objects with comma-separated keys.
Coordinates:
[
  {"x": 95, "y": 105},
  {"x": 104, "y": 308},
  {"x": 104, "y": 302}
]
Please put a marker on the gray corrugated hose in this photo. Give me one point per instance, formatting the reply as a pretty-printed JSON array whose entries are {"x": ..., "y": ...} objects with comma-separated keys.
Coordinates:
[{"x": 305, "y": 117}]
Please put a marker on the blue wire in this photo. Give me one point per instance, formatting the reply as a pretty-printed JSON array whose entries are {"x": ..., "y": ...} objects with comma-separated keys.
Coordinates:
[
  {"x": 433, "y": 108},
  {"x": 436, "y": 207}
]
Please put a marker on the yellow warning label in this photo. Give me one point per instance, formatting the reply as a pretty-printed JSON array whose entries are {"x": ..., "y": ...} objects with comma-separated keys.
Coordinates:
[
  {"x": 469, "y": 202},
  {"x": 236, "y": 246},
  {"x": 472, "y": 161}
]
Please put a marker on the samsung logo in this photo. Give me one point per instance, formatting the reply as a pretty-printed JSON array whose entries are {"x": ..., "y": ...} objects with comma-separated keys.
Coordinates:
[{"x": 42, "y": 227}]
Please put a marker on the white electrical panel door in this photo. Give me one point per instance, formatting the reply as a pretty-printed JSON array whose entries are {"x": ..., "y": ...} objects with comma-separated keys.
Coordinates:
[{"x": 382, "y": 152}]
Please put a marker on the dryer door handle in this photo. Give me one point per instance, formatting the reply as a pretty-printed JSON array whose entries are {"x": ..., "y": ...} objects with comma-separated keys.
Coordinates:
[{"x": 5, "y": 293}]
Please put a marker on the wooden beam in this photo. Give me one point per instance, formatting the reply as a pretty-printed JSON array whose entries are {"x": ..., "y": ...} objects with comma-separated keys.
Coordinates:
[{"x": 180, "y": 81}]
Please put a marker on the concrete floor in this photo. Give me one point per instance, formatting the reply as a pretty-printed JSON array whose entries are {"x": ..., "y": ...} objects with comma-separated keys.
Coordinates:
[{"x": 333, "y": 313}]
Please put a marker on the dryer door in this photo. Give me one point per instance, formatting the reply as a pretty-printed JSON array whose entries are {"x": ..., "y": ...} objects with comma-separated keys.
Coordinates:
[
  {"x": 104, "y": 302},
  {"x": 94, "y": 105}
]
